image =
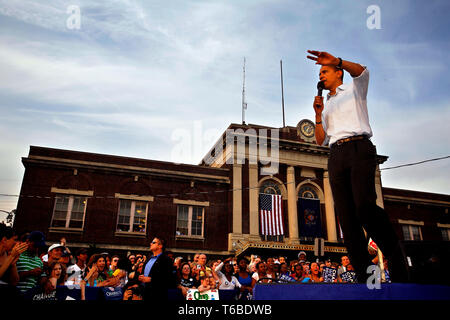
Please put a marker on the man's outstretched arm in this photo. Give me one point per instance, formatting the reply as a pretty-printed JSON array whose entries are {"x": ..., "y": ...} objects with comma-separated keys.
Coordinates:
[{"x": 326, "y": 59}]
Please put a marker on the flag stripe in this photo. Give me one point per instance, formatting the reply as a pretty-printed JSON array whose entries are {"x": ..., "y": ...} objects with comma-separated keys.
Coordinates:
[{"x": 271, "y": 214}]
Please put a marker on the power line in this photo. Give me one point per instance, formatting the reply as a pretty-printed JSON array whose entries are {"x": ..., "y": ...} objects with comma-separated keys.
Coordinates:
[
  {"x": 415, "y": 163},
  {"x": 215, "y": 191},
  {"x": 157, "y": 195}
]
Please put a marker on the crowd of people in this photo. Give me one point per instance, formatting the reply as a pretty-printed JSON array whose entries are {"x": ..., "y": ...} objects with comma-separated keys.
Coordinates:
[{"x": 31, "y": 270}]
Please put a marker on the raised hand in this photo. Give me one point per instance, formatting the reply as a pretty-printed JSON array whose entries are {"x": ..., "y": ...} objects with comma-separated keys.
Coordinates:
[
  {"x": 18, "y": 249},
  {"x": 323, "y": 58}
]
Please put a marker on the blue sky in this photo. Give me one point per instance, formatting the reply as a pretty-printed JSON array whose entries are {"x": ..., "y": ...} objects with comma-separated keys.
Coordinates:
[{"x": 140, "y": 76}]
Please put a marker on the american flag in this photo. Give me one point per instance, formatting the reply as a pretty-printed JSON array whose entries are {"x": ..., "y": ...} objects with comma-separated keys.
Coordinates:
[{"x": 271, "y": 214}]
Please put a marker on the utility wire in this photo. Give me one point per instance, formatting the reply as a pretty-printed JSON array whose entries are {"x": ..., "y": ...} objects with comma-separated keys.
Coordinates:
[
  {"x": 226, "y": 190},
  {"x": 415, "y": 163}
]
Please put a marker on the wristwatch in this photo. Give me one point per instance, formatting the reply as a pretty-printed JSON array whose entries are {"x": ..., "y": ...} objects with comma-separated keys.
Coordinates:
[{"x": 340, "y": 63}]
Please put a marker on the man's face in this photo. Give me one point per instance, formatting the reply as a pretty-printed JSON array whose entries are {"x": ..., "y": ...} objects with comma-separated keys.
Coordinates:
[
  {"x": 83, "y": 257},
  {"x": 186, "y": 269},
  {"x": 202, "y": 259},
  {"x": 155, "y": 245},
  {"x": 345, "y": 261},
  {"x": 9, "y": 243},
  {"x": 330, "y": 76},
  {"x": 56, "y": 253}
]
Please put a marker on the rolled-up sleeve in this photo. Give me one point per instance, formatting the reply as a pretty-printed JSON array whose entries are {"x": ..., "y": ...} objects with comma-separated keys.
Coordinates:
[{"x": 361, "y": 84}]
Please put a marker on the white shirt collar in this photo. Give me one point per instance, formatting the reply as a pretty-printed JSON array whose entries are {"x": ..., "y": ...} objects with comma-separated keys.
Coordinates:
[{"x": 342, "y": 87}]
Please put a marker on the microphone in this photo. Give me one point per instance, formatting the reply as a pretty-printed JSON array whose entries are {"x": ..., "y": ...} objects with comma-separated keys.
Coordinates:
[{"x": 319, "y": 88}]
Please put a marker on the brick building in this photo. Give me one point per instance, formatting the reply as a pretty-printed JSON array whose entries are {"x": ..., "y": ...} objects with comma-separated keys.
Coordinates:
[{"x": 119, "y": 203}]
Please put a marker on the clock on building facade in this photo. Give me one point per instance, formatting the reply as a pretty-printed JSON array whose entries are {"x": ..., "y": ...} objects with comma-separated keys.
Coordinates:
[{"x": 306, "y": 130}]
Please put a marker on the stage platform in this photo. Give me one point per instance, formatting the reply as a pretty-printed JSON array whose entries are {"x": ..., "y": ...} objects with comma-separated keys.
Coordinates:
[{"x": 348, "y": 291}]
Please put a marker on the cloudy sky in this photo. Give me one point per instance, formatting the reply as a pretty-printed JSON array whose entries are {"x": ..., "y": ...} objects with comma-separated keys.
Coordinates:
[{"x": 142, "y": 78}]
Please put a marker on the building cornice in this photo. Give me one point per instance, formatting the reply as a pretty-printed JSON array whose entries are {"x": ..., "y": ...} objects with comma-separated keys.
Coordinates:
[{"x": 71, "y": 163}]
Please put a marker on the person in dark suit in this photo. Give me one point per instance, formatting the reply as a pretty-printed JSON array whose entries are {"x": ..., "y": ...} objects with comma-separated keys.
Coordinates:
[{"x": 158, "y": 273}]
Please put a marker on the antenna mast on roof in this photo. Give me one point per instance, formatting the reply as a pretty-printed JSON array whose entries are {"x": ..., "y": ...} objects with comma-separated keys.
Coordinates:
[
  {"x": 282, "y": 92},
  {"x": 244, "y": 103}
]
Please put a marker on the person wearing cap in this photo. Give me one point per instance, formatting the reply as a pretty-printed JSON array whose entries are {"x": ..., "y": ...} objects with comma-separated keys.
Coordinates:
[
  {"x": 302, "y": 256},
  {"x": 30, "y": 266},
  {"x": 55, "y": 252}
]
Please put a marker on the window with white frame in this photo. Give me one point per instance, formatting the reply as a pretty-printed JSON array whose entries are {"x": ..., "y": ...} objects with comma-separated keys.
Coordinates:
[
  {"x": 190, "y": 220},
  {"x": 411, "y": 232},
  {"x": 69, "y": 211},
  {"x": 132, "y": 216}
]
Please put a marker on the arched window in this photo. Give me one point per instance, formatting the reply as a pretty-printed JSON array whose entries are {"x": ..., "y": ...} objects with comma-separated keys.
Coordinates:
[
  {"x": 309, "y": 213},
  {"x": 308, "y": 192},
  {"x": 270, "y": 187},
  {"x": 271, "y": 211}
]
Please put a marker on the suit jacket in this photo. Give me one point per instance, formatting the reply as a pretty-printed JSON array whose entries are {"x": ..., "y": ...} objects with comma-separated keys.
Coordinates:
[{"x": 163, "y": 278}]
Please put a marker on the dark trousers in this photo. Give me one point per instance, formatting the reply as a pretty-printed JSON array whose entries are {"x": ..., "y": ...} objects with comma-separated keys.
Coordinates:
[{"x": 351, "y": 169}]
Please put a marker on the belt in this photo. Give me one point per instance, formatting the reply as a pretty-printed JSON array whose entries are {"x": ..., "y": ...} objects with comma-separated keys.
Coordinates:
[{"x": 354, "y": 138}]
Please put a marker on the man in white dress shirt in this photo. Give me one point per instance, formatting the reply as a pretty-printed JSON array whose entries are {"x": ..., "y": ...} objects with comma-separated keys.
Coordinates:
[{"x": 343, "y": 124}]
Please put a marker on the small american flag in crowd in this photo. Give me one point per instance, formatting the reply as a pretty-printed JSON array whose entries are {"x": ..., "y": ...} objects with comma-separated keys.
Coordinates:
[{"x": 271, "y": 214}]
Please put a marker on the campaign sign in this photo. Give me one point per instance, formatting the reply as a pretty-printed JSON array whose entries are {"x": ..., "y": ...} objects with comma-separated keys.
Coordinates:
[
  {"x": 349, "y": 276},
  {"x": 329, "y": 274},
  {"x": 286, "y": 278},
  {"x": 112, "y": 293},
  {"x": 194, "y": 294}
]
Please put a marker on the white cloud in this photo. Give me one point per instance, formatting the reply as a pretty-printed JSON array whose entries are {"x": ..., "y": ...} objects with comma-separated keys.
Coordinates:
[{"x": 138, "y": 71}]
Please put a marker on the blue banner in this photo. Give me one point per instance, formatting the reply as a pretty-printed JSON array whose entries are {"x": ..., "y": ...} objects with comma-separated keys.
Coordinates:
[{"x": 308, "y": 211}]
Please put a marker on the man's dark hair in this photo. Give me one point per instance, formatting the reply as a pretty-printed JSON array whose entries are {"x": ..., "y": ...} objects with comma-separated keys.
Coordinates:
[
  {"x": 162, "y": 241},
  {"x": 340, "y": 69},
  {"x": 81, "y": 251},
  {"x": 243, "y": 258}
]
